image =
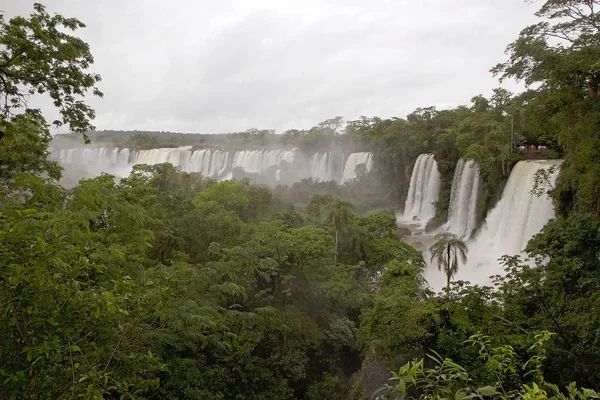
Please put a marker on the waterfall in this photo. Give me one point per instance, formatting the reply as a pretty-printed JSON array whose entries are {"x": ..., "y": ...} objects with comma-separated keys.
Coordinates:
[
  {"x": 516, "y": 218},
  {"x": 259, "y": 161},
  {"x": 210, "y": 163},
  {"x": 354, "y": 160},
  {"x": 179, "y": 157},
  {"x": 423, "y": 191},
  {"x": 91, "y": 161},
  {"x": 464, "y": 197},
  {"x": 265, "y": 166},
  {"x": 321, "y": 167},
  {"x": 272, "y": 166},
  {"x": 326, "y": 167}
]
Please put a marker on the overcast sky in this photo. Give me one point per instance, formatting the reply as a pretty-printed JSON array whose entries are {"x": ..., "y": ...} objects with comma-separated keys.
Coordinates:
[{"x": 226, "y": 65}]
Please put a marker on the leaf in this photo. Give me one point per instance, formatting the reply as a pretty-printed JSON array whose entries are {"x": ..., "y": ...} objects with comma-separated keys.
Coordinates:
[
  {"x": 487, "y": 391},
  {"x": 460, "y": 395}
]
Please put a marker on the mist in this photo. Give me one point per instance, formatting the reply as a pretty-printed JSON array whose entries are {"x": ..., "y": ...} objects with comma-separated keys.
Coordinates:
[{"x": 321, "y": 154}]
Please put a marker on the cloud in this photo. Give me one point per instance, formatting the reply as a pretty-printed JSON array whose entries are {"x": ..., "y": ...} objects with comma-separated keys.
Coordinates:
[{"x": 218, "y": 66}]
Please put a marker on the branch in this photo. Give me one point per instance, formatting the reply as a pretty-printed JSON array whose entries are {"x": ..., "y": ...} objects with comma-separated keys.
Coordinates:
[{"x": 10, "y": 60}]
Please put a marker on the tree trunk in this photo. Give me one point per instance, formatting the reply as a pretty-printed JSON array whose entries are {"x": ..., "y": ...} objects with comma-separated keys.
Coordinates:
[
  {"x": 335, "y": 254},
  {"x": 594, "y": 86},
  {"x": 448, "y": 270}
]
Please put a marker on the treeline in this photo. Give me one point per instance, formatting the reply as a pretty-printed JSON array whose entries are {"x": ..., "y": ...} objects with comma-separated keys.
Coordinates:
[{"x": 325, "y": 136}]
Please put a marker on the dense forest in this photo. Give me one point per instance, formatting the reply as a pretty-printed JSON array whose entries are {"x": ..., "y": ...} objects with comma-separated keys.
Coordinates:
[{"x": 171, "y": 285}]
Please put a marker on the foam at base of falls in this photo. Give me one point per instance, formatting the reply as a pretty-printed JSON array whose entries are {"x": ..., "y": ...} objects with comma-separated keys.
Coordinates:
[{"x": 424, "y": 190}]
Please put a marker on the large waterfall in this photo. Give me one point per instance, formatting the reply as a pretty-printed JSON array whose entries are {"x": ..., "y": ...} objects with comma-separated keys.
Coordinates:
[
  {"x": 267, "y": 166},
  {"x": 516, "y": 218},
  {"x": 423, "y": 191},
  {"x": 464, "y": 197}
]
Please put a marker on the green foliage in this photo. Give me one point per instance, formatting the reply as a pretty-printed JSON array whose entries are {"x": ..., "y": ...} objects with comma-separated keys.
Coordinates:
[
  {"x": 170, "y": 285},
  {"x": 39, "y": 57},
  {"x": 448, "y": 380},
  {"x": 25, "y": 147}
]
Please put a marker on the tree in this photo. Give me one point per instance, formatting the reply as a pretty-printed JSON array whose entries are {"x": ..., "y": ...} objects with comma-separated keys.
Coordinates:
[
  {"x": 446, "y": 252},
  {"x": 561, "y": 49},
  {"x": 37, "y": 56},
  {"x": 25, "y": 147},
  {"x": 317, "y": 205},
  {"x": 339, "y": 214},
  {"x": 559, "y": 56}
]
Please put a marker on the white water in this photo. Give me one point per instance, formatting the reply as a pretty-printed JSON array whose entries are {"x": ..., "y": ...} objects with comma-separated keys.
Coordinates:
[
  {"x": 210, "y": 163},
  {"x": 322, "y": 167},
  {"x": 423, "y": 192},
  {"x": 175, "y": 156},
  {"x": 274, "y": 165},
  {"x": 464, "y": 197},
  {"x": 354, "y": 161},
  {"x": 517, "y": 217},
  {"x": 77, "y": 162}
]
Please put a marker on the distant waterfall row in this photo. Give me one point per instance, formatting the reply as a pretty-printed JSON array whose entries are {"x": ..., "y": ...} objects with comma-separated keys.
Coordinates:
[{"x": 268, "y": 166}]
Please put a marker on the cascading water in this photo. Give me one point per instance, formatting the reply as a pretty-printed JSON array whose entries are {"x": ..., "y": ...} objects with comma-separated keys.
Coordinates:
[
  {"x": 257, "y": 161},
  {"x": 321, "y": 167},
  {"x": 354, "y": 160},
  {"x": 272, "y": 166},
  {"x": 177, "y": 156},
  {"x": 423, "y": 191},
  {"x": 464, "y": 197},
  {"x": 210, "y": 163},
  {"x": 516, "y": 218},
  {"x": 113, "y": 161}
]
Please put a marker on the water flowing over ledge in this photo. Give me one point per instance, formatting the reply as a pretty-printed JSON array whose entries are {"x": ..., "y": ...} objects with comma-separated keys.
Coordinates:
[
  {"x": 423, "y": 192},
  {"x": 464, "y": 199},
  {"x": 509, "y": 226},
  {"x": 264, "y": 166}
]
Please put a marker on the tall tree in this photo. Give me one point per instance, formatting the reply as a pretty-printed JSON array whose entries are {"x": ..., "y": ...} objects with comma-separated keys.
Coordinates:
[
  {"x": 339, "y": 214},
  {"x": 562, "y": 48},
  {"x": 446, "y": 251},
  {"x": 558, "y": 57},
  {"x": 38, "y": 56}
]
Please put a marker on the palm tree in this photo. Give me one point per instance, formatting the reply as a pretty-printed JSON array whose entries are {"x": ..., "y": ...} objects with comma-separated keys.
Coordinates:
[
  {"x": 339, "y": 214},
  {"x": 317, "y": 203},
  {"x": 445, "y": 251}
]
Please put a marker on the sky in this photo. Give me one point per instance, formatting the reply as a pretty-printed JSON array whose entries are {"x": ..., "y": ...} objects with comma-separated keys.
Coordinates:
[{"x": 211, "y": 66}]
